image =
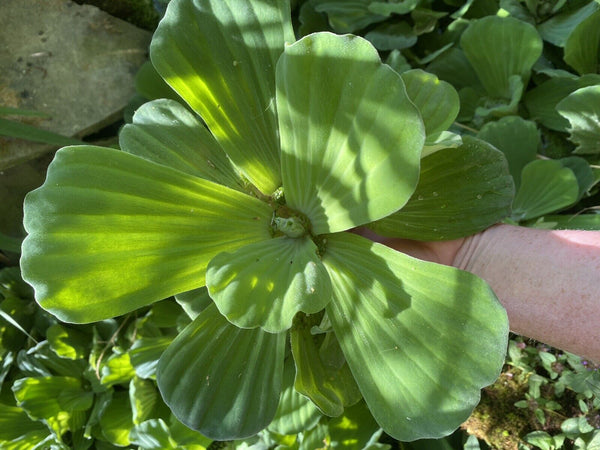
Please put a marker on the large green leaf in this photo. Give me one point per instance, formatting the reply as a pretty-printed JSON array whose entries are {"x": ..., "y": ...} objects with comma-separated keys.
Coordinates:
[
  {"x": 546, "y": 186},
  {"x": 461, "y": 191},
  {"x": 541, "y": 101},
  {"x": 165, "y": 132},
  {"x": 582, "y": 109},
  {"x": 220, "y": 56},
  {"x": 110, "y": 232},
  {"x": 265, "y": 284},
  {"x": 498, "y": 48},
  {"x": 321, "y": 370},
  {"x": 421, "y": 339},
  {"x": 16, "y": 427},
  {"x": 559, "y": 27},
  {"x": 517, "y": 138},
  {"x": 221, "y": 380},
  {"x": 583, "y": 44},
  {"x": 436, "y": 100},
  {"x": 349, "y": 133}
]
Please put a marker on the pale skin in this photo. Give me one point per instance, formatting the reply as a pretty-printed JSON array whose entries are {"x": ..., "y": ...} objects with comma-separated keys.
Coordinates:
[{"x": 548, "y": 281}]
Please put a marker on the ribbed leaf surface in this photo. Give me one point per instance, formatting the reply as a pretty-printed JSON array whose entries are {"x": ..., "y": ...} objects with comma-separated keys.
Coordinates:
[
  {"x": 421, "y": 339},
  {"x": 349, "y": 133},
  {"x": 110, "y": 232},
  {"x": 167, "y": 133},
  {"x": 220, "y": 56},
  {"x": 221, "y": 380}
]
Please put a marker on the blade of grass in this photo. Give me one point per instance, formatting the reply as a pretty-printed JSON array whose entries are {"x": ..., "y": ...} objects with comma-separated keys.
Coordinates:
[{"x": 31, "y": 133}]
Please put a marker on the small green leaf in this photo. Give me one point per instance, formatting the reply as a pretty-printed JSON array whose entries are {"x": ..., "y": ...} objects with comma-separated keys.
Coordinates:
[
  {"x": 559, "y": 27},
  {"x": 220, "y": 56},
  {"x": 167, "y": 133},
  {"x": 221, "y": 380},
  {"x": 515, "y": 46},
  {"x": 348, "y": 16},
  {"x": 349, "y": 133},
  {"x": 152, "y": 434},
  {"x": 194, "y": 302},
  {"x": 145, "y": 353},
  {"x": 582, "y": 109},
  {"x": 390, "y": 36},
  {"x": 110, "y": 232},
  {"x": 355, "y": 428},
  {"x": 150, "y": 85},
  {"x": 143, "y": 397},
  {"x": 295, "y": 413},
  {"x": 454, "y": 67},
  {"x": 541, "y": 101},
  {"x": 389, "y": 8},
  {"x": 267, "y": 283},
  {"x": 117, "y": 370},
  {"x": 461, "y": 191},
  {"x": 67, "y": 342},
  {"x": 116, "y": 420},
  {"x": 546, "y": 186},
  {"x": 436, "y": 100},
  {"x": 517, "y": 138},
  {"x": 321, "y": 370},
  {"x": 16, "y": 426},
  {"x": 10, "y": 243},
  {"x": 421, "y": 339},
  {"x": 583, "y": 45}
]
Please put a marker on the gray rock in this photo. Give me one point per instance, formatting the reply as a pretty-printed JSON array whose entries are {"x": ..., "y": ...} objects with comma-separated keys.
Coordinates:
[{"x": 73, "y": 62}]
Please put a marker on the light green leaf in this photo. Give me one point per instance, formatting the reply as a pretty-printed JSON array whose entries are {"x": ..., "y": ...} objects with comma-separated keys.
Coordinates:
[
  {"x": 117, "y": 370},
  {"x": 167, "y": 133},
  {"x": 20, "y": 130},
  {"x": 583, "y": 45},
  {"x": 582, "y": 109},
  {"x": 517, "y": 138},
  {"x": 267, "y": 283},
  {"x": 116, "y": 422},
  {"x": 221, "y": 380},
  {"x": 440, "y": 141},
  {"x": 461, "y": 191},
  {"x": 68, "y": 342},
  {"x": 546, "y": 186},
  {"x": 541, "y": 101},
  {"x": 143, "y": 397},
  {"x": 436, "y": 100},
  {"x": 145, "y": 353},
  {"x": 390, "y": 36},
  {"x": 559, "y": 27},
  {"x": 498, "y": 48},
  {"x": 110, "y": 232},
  {"x": 15, "y": 424},
  {"x": 295, "y": 413},
  {"x": 349, "y": 133},
  {"x": 184, "y": 436},
  {"x": 421, "y": 339},
  {"x": 48, "y": 399},
  {"x": 220, "y": 56},
  {"x": 321, "y": 370},
  {"x": 153, "y": 434},
  {"x": 354, "y": 429}
]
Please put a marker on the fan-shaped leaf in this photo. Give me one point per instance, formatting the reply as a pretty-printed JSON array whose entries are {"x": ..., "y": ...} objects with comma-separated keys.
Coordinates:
[
  {"x": 421, "y": 339},
  {"x": 582, "y": 109},
  {"x": 165, "y": 132},
  {"x": 583, "y": 45},
  {"x": 220, "y": 56},
  {"x": 461, "y": 191},
  {"x": 110, "y": 232},
  {"x": 267, "y": 283},
  {"x": 349, "y": 133},
  {"x": 436, "y": 100},
  {"x": 546, "y": 186},
  {"x": 517, "y": 138},
  {"x": 541, "y": 101},
  {"x": 557, "y": 28},
  {"x": 347, "y": 16},
  {"x": 221, "y": 380},
  {"x": 498, "y": 48},
  {"x": 295, "y": 413},
  {"x": 321, "y": 370}
]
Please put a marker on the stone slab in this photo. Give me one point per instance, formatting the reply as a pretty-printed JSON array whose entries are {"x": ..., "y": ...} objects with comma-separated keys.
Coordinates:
[{"x": 73, "y": 62}]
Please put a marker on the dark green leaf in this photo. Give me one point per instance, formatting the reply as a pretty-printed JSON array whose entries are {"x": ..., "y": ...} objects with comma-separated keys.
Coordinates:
[
  {"x": 583, "y": 45},
  {"x": 221, "y": 380},
  {"x": 582, "y": 109},
  {"x": 31, "y": 133}
]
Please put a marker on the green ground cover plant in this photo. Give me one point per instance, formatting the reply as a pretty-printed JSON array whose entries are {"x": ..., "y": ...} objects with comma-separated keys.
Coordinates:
[{"x": 235, "y": 190}]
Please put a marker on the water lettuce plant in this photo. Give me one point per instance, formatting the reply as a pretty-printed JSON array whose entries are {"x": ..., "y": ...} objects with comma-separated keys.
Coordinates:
[{"x": 251, "y": 189}]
